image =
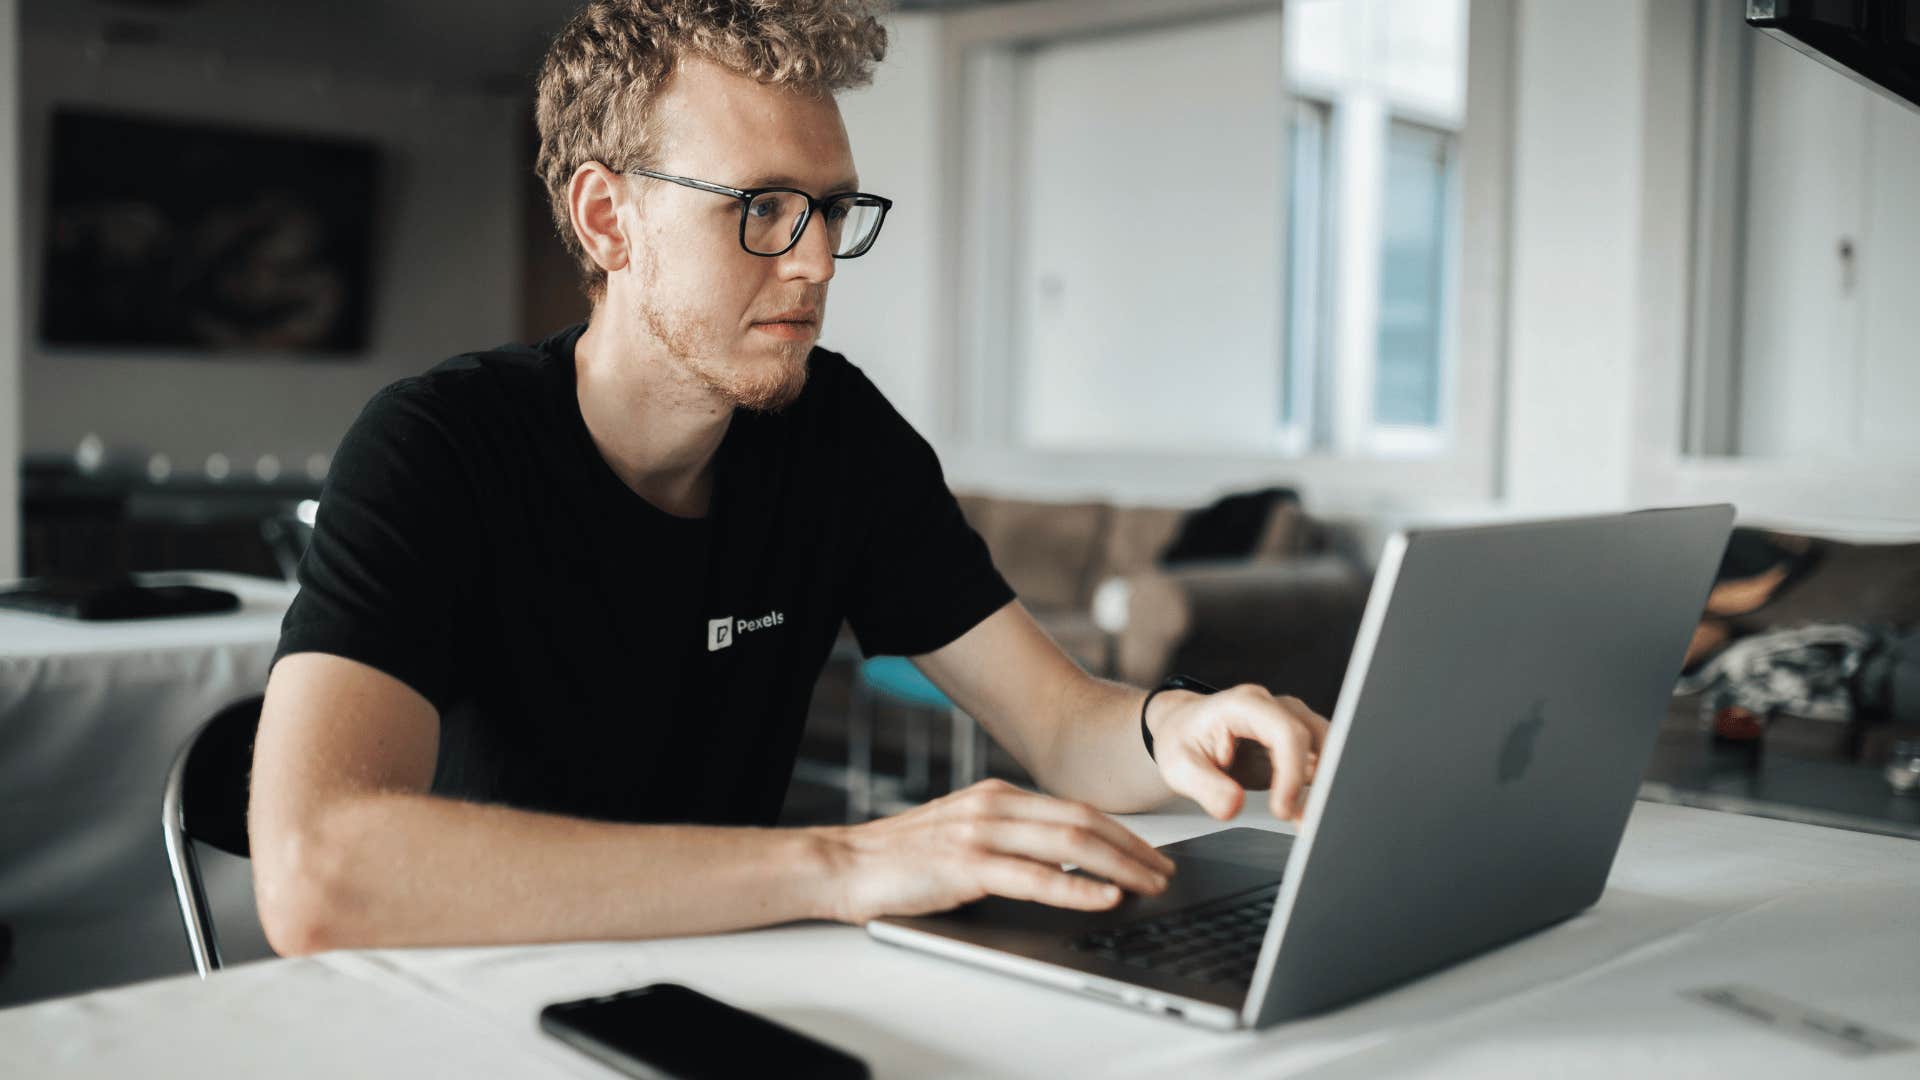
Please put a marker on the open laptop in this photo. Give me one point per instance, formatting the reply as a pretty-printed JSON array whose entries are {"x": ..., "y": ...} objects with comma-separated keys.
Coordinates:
[{"x": 1497, "y": 714}]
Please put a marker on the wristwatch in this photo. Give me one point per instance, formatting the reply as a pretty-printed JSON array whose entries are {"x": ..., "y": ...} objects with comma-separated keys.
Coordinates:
[{"x": 1171, "y": 682}]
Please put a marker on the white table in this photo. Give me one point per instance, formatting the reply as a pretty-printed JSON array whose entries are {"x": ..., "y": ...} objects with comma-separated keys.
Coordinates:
[
  {"x": 91, "y": 716},
  {"x": 1829, "y": 918}
]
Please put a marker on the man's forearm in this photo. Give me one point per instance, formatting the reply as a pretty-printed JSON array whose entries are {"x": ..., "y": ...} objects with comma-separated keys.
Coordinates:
[
  {"x": 1098, "y": 756},
  {"x": 386, "y": 869}
]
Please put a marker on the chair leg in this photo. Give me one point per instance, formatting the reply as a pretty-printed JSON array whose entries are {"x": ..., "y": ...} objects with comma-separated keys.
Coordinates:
[
  {"x": 860, "y": 725},
  {"x": 969, "y": 757},
  {"x": 919, "y": 754},
  {"x": 196, "y": 914}
]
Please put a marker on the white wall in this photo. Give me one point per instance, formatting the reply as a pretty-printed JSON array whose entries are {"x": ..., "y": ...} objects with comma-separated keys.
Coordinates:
[
  {"x": 884, "y": 309},
  {"x": 1574, "y": 273},
  {"x": 1889, "y": 281},
  {"x": 445, "y": 277},
  {"x": 1806, "y": 144},
  {"x": 1149, "y": 303},
  {"x": 11, "y": 256}
]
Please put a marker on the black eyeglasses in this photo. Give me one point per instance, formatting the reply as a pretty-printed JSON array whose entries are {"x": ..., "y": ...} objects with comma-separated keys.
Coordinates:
[{"x": 773, "y": 219}]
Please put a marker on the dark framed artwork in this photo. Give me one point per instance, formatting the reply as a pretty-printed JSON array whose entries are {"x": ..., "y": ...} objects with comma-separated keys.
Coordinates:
[{"x": 187, "y": 236}]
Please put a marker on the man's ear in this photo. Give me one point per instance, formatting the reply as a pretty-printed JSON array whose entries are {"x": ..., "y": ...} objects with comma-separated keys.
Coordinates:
[{"x": 593, "y": 203}]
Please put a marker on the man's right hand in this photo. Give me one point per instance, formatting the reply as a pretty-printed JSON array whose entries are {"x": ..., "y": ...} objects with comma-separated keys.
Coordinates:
[{"x": 988, "y": 839}]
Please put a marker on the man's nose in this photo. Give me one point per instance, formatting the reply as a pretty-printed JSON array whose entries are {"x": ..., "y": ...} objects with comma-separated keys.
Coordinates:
[{"x": 811, "y": 258}]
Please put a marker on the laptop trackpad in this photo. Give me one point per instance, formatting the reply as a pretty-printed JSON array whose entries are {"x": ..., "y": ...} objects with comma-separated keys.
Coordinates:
[
  {"x": 1213, "y": 866},
  {"x": 1252, "y": 847},
  {"x": 1217, "y": 865}
]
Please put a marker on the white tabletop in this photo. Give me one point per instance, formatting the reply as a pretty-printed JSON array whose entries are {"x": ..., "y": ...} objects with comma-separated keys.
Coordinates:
[
  {"x": 91, "y": 716},
  {"x": 26, "y": 637},
  {"x": 1829, "y": 919}
]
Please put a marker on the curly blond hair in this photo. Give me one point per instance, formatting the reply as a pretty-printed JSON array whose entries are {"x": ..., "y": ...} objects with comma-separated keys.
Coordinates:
[{"x": 607, "y": 66}]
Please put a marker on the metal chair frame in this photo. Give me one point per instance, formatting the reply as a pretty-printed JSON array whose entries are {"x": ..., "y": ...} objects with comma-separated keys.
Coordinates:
[
  {"x": 189, "y": 888},
  {"x": 195, "y": 913},
  {"x": 868, "y": 793}
]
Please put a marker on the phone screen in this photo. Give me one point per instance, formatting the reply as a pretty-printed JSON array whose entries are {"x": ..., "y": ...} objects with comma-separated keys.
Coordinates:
[{"x": 666, "y": 1030}]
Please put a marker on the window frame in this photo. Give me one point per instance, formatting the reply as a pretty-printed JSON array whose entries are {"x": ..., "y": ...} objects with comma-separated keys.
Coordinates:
[
  {"x": 1428, "y": 439},
  {"x": 1305, "y": 415}
]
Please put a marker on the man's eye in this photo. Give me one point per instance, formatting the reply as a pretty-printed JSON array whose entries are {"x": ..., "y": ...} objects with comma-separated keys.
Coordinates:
[
  {"x": 837, "y": 212},
  {"x": 764, "y": 208}
]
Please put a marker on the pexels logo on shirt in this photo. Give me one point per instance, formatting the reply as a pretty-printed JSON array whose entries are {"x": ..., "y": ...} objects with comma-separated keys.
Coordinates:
[{"x": 722, "y": 631}]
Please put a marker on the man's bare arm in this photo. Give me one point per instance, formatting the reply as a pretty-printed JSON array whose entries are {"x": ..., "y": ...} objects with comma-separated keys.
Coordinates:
[
  {"x": 349, "y": 850},
  {"x": 1033, "y": 699}
]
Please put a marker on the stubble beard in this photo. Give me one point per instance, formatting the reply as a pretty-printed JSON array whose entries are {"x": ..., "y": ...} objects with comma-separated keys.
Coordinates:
[{"x": 762, "y": 385}]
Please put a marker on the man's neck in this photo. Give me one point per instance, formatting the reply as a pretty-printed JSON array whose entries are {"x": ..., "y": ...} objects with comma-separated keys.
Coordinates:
[{"x": 656, "y": 426}]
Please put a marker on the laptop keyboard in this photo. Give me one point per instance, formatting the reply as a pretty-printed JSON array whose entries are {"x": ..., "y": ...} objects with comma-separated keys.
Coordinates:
[{"x": 1213, "y": 943}]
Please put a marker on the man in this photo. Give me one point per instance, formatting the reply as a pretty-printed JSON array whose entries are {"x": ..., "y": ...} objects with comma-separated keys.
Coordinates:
[{"x": 546, "y": 675}]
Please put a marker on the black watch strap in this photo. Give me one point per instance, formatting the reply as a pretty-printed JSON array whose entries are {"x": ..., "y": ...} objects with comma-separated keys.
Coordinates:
[{"x": 1171, "y": 682}]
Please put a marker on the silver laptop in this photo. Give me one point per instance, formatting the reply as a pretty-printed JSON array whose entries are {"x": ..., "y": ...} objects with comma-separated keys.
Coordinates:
[{"x": 1497, "y": 714}]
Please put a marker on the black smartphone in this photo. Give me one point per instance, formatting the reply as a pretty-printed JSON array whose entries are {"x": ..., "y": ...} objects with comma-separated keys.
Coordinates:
[{"x": 668, "y": 1032}]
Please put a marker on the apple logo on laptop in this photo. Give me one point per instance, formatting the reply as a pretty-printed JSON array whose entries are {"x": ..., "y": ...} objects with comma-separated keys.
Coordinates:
[{"x": 1516, "y": 753}]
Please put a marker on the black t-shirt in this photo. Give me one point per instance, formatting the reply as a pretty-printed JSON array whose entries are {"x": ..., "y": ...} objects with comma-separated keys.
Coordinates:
[{"x": 591, "y": 654}]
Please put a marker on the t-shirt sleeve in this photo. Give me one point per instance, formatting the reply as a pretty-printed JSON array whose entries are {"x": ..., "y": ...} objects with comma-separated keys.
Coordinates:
[
  {"x": 382, "y": 577},
  {"x": 922, "y": 576}
]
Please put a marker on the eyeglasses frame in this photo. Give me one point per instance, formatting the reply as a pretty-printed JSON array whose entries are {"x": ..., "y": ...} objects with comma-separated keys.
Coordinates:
[{"x": 747, "y": 195}]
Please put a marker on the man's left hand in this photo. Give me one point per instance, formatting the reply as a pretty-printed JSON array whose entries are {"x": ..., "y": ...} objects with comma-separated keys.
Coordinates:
[{"x": 1213, "y": 748}]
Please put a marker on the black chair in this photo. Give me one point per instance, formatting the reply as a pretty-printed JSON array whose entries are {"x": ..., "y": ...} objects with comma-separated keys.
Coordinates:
[
  {"x": 287, "y": 535},
  {"x": 206, "y": 802}
]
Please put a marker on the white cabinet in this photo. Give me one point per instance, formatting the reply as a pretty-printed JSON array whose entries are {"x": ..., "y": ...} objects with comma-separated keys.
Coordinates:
[{"x": 1829, "y": 355}]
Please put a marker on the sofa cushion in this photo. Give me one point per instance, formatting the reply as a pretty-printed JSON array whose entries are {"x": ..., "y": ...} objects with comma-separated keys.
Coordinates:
[
  {"x": 1136, "y": 535},
  {"x": 1230, "y": 527},
  {"x": 1046, "y": 551},
  {"x": 1286, "y": 536}
]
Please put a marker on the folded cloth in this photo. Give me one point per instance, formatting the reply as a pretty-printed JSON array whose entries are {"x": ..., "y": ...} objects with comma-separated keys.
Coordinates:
[
  {"x": 115, "y": 598},
  {"x": 1823, "y": 671},
  {"x": 1228, "y": 528}
]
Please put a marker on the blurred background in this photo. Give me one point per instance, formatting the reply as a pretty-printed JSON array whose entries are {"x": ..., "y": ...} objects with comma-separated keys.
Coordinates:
[{"x": 1198, "y": 300}]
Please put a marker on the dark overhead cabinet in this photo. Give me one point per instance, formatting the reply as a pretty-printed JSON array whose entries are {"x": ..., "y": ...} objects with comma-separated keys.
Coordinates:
[{"x": 1874, "y": 42}]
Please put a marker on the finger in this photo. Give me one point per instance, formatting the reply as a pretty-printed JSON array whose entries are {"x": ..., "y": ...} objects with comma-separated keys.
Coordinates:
[
  {"x": 1289, "y": 742},
  {"x": 1024, "y": 879},
  {"x": 1056, "y": 843},
  {"x": 1317, "y": 725},
  {"x": 1193, "y": 774},
  {"x": 1016, "y": 803}
]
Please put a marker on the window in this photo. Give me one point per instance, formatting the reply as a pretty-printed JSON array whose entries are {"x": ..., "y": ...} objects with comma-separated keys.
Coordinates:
[
  {"x": 1415, "y": 232},
  {"x": 1199, "y": 245},
  {"x": 1388, "y": 77}
]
